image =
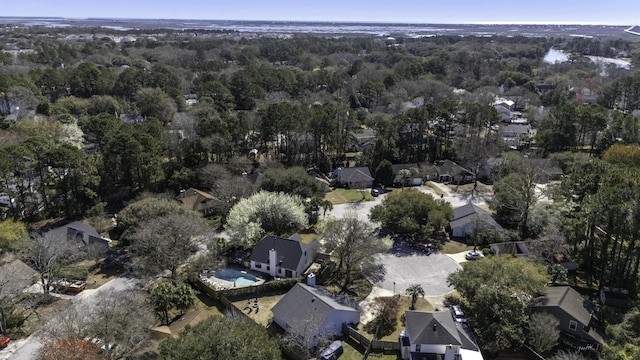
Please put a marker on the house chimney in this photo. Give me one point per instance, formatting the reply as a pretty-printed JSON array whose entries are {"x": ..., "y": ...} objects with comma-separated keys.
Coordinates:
[{"x": 273, "y": 262}]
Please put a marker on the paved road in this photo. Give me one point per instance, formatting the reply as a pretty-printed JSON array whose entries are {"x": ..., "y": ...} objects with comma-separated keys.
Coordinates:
[
  {"x": 404, "y": 267},
  {"x": 27, "y": 349}
]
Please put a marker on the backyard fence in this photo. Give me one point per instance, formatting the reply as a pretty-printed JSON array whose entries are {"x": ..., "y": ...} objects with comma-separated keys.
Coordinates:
[
  {"x": 354, "y": 335},
  {"x": 270, "y": 287},
  {"x": 385, "y": 346},
  {"x": 375, "y": 346}
]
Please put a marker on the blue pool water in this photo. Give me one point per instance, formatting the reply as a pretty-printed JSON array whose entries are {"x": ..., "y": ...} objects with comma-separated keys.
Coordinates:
[{"x": 239, "y": 277}]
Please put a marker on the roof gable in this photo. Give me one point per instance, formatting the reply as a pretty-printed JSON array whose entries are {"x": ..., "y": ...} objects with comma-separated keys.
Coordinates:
[
  {"x": 451, "y": 168},
  {"x": 471, "y": 213},
  {"x": 196, "y": 200},
  {"x": 305, "y": 308},
  {"x": 356, "y": 174},
  {"x": 436, "y": 328},
  {"x": 569, "y": 300},
  {"x": 15, "y": 277},
  {"x": 289, "y": 251}
]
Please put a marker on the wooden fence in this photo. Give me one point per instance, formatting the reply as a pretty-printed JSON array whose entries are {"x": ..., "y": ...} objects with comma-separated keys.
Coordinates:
[
  {"x": 375, "y": 346},
  {"x": 267, "y": 288}
]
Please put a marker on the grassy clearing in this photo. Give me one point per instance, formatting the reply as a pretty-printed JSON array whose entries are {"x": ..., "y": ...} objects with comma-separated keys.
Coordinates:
[
  {"x": 265, "y": 303},
  {"x": 435, "y": 188},
  {"x": 308, "y": 234},
  {"x": 454, "y": 247},
  {"x": 344, "y": 196}
]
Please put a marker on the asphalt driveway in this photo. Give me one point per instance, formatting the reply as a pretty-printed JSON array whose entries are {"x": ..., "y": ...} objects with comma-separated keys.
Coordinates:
[{"x": 403, "y": 267}]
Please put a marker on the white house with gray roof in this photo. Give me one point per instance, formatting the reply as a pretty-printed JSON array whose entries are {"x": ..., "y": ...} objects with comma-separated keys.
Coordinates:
[
  {"x": 435, "y": 335},
  {"x": 311, "y": 315},
  {"x": 283, "y": 257}
]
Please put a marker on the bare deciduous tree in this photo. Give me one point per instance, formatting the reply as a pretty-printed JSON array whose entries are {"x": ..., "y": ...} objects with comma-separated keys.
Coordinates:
[
  {"x": 47, "y": 253},
  {"x": 120, "y": 320},
  {"x": 352, "y": 240},
  {"x": 165, "y": 243}
]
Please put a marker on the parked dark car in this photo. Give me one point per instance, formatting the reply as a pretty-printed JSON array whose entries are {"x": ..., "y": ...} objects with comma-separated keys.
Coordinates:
[
  {"x": 426, "y": 248},
  {"x": 332, "y": 352}
]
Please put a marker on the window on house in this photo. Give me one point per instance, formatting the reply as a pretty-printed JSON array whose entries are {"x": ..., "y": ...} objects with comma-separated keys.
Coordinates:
[
  {"x": 258, "y": 266},
  {"x": 417, "y": 347},
  {"x": 288, "y": 273},
  {"x": 573, "y": 325}
]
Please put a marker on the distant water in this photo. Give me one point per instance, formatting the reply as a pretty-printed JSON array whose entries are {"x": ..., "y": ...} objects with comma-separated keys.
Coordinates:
[{"x": 554, "y": 56}]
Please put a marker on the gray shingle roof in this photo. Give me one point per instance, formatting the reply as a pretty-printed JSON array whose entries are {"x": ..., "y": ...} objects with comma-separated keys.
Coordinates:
[
  {"x": 436, "y": 328},
  {"x": 448, "y": 167},
  {"x": 470, "y": 213},
  {"x": 74, "y": 229},
  {"x": 15, "y": 277},
  {"x": 356, "y": 174},
  {"x": 568, "y": 300},
  {"x": 289, "y": 250},
  {"x": 305, "y": 308}
]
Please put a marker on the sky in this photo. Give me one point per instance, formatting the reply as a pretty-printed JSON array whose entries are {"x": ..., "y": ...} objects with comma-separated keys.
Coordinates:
[{"x": 610, "y": 12}]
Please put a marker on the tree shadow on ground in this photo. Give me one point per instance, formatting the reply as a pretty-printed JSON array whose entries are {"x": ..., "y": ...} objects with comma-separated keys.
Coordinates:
[{"x": 374, "y": 271}]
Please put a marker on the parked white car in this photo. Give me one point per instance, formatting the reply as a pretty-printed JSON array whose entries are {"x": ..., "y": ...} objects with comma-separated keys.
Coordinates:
[{"x": 473, "y": 255}]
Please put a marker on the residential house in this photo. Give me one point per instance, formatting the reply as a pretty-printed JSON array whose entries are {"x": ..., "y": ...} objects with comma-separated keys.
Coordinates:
[
  {"x": 435, "y": 335},
  {"x": 311, "y": 315},
  {"x": 197, "y": 200},
  {"x": 15, "y": 277},
  {"x": 517, "y": 135},
  {"x": 545, "y": 169},
  {"x": 363, "y": 138},
  {"x": 504, "y": 112},
  {"x": 515, "y": 248},
  {"x": 450, "y": 172},
  {"x": 83, "y": 234},
  {"x": 354, "y": 178},
  {"x": 505, "y": 103},
  {"x": 414, "y": 180},
  {"x": 470, "y": 218},
  {"x": 283, "y": 257},
  {"x": 132, "y": 118},
  {"x": 578, "y": 327}
]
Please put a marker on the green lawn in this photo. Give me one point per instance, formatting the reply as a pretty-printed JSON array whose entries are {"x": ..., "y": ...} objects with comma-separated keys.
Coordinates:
[
  {"x": 434, "y": 187},
  {"x": 454, "y": 247},
  {"x": 344, "y": 196}
]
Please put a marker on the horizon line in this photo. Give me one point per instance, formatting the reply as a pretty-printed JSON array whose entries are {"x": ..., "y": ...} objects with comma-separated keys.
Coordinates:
[{"x": 554, "y": 23}]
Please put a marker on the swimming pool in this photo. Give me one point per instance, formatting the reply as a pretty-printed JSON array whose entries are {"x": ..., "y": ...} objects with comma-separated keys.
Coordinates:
[{"x": 240, "y": 278}]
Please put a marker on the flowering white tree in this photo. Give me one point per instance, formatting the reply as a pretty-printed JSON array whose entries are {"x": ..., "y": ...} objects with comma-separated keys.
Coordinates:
[
  {"x": 265, "y": 212},
  {"x": 70, "y": 134}
]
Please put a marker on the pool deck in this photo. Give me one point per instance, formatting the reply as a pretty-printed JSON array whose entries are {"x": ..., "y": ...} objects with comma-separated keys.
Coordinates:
[{"x": 220, "y": 284}]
